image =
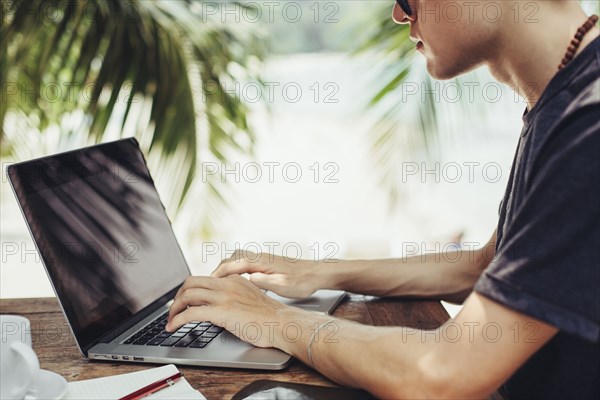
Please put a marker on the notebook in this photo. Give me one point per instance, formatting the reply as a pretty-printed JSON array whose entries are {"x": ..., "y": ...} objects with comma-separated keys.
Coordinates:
[{"x": 115, "y": 387}]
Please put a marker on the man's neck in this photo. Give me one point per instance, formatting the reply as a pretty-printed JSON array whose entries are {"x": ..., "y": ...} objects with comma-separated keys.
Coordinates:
[{"x": 529, "y": 54}]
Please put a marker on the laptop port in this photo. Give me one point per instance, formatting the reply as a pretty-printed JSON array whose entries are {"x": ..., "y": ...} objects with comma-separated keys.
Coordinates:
[
  {"x": 115, "y": 357},
  {"x": 125, "y": 357},
  {"x": 138, "y": 358}
]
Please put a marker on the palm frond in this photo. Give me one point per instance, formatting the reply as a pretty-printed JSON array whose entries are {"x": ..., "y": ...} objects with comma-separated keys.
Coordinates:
[{"x": 147, "y": 69}]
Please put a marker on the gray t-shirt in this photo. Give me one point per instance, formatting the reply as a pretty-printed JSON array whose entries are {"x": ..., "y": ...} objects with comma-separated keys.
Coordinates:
[{"x": 547, "y": 262}]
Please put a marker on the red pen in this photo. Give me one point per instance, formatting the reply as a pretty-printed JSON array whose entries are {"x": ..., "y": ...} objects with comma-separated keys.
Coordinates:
[{"x": 153, "y": 387}]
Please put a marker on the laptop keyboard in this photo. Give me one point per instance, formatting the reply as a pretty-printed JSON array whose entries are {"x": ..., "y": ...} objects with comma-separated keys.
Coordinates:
[{"x": 195, "y": 334}]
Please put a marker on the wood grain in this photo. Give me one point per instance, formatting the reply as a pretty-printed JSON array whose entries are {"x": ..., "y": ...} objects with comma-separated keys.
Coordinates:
[{"x": 56, "y": 349}]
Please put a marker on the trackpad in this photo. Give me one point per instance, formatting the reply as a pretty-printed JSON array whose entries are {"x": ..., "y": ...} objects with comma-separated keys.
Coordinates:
[{"x": 324, "y": 300}]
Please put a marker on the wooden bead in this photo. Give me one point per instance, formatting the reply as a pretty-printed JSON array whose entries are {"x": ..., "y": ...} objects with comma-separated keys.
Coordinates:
[{"x": 581, "y": 31}]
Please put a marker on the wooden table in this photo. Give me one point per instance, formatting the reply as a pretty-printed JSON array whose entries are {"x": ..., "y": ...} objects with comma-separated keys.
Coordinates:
[{"x": 56, "y": 349}]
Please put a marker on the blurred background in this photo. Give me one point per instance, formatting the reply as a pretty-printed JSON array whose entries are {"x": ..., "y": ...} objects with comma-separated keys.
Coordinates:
[{"x": 302, "y": 128}]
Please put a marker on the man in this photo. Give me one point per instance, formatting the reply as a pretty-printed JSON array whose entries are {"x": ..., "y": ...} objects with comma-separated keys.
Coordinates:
[{"x": 531, "y": 318}]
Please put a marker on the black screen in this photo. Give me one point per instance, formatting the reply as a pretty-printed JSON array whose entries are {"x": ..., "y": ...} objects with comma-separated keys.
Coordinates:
[{"x": 102, "y": 232}]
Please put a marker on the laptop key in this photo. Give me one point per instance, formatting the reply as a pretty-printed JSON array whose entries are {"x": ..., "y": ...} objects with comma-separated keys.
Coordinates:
[
  {"x": 216, "y": 329},
  {"x": 195, "y": 333},
  {"x": 185, "y": 342},
  {"x": 200, "y": 343},
  {"x": 179, "y": 334},
  {"x": 170, "y": 341},
  {"x": 211, "y": 335},
  {"x": 164, "y": 334},
  {"x": 155, "y": 342}
]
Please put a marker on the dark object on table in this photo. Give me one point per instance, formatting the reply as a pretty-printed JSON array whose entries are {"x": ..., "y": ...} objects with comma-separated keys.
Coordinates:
[{"x": 274, "y": 390}]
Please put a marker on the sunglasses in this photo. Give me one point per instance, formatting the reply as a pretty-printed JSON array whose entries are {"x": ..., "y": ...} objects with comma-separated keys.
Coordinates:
[{"x": 403, "y": 4}]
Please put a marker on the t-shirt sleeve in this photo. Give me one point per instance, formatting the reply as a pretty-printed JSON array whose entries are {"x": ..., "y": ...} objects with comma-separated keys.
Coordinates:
[{"x": 547, "y": 265}]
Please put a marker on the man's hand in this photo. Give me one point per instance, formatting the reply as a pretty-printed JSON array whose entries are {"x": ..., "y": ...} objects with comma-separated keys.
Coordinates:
[
  {"x": 233, "y": 303},
  {"x": 296, "y": 279}
]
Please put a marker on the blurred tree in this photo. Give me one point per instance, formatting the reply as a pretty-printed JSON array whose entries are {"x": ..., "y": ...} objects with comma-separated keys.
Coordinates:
[
  {"x": 322, "y": 25},
  {"x": 107, "y": 69}
]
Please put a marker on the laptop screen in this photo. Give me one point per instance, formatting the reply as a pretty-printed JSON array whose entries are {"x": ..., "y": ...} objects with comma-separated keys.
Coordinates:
[{"x": 102, "y": 232}]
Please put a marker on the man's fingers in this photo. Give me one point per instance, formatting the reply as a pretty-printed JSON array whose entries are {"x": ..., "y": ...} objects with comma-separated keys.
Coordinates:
[
  {"x": 265, "y": 281},
  {"x": 236, "y": 268},
  {"x": 204, "y": 282},
  {"x": 190, "y": 297},
  {"x": 190, "y": 314},
  {"x": 280, "y": 284}
]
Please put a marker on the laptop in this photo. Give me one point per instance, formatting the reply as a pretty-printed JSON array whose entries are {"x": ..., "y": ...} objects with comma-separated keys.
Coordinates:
[{"x": 115, "y": 265}]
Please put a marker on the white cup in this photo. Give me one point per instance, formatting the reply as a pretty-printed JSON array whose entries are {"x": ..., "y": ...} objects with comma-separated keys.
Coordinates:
[{"x": 18, "y": 362}]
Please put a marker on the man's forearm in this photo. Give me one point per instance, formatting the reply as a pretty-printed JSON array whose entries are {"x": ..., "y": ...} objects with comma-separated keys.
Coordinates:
[
  {"x": 449, "y": 276},
  {"x": 461, "y": 359},
  {"x": 358, "y": 355}
]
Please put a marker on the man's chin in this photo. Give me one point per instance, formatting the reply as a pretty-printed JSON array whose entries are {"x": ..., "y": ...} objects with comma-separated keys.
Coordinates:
[{"x": 441, "y": 71}]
